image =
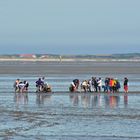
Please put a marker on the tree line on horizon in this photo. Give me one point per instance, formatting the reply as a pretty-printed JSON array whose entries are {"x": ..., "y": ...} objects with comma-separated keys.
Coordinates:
[{"x": 102, "y": 56}]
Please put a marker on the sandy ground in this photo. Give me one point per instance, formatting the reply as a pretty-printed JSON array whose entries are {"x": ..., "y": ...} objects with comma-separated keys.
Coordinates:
[{"x": 15, "y": 67}]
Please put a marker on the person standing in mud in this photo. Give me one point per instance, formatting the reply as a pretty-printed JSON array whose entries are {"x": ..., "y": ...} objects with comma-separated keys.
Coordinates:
[
  {"x": 99, "y": 82},
  {"x": 26, "y": 85},
  {"x": 106, "y": 89},
  {"x": 39, "y": 85},
  {"x": 16, "y": 85},
  {"x": 95, "y": 84},
  {"x": 125, "y": 84}
]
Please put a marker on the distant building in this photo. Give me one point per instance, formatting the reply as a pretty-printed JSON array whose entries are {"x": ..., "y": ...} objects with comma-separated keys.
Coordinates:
[
  {"x": 27, "y": 56},
  {"x": 44, "y": 56}
]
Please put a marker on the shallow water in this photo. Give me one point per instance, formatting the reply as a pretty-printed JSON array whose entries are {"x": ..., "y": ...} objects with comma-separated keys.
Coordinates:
[{"x": 69, "y": 116}]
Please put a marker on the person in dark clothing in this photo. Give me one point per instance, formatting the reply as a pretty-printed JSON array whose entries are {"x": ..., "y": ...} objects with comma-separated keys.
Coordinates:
[
  {"x": 74, "y": 85},
  {"x": 118, "y": 86},
  {"x": 39, "y": 85},
  {"x": 76, "y": 82},
  {"x": 26, "y": 85},
  {"x": 125, "y": 84},
  {"x": 106, "y": 88},
  {"x": 95, "y": 84}
]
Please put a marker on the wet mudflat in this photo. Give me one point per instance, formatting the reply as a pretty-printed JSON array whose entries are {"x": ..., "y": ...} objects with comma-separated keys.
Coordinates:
[
  {"x": 75, "y": 68},
  {"x": 67, "y": 116}
]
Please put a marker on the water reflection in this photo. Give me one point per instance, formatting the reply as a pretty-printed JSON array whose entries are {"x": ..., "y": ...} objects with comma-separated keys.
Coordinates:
[
  {"x": 86, "y": 100},
  {"x": 78, "y": 100},
  {"x": 21, "y": 98},
  {"x": 112, "y": 101},
  {"x": 125, "y": 100},
  {"x": 97, "y": 101},
  {"x": 74, "y": 99},
  {"x": 42, "y": 97}
]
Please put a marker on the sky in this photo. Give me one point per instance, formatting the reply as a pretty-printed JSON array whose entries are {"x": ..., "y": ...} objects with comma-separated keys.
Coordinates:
[{"x": 69, "y": 26}]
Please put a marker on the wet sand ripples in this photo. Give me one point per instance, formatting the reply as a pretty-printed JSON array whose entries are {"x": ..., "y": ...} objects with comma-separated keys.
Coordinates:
[{"x": 65, "y": 119}]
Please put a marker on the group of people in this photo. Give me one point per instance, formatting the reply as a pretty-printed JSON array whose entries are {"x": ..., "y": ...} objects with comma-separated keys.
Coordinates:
[
  {"x": 41, "y": 85},
  {"x": 111, "y": 85}
]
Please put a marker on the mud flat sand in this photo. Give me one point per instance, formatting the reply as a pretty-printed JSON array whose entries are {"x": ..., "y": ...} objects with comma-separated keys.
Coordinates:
[{"x": 26, "y": 67}]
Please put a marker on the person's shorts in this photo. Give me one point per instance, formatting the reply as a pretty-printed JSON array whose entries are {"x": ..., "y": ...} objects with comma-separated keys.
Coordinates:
[{"x": 126, "y": 88}]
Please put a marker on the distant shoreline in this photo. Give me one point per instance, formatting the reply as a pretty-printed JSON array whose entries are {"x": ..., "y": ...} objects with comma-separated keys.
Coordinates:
[{"x": 68, "y": 60}]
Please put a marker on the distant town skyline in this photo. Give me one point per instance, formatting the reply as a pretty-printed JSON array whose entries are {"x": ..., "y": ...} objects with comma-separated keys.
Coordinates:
[{"x": 69, "y": 27}]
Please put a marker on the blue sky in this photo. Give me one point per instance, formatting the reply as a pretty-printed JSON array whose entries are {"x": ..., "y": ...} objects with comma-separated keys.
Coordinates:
[{"x": 69, "y": 26}]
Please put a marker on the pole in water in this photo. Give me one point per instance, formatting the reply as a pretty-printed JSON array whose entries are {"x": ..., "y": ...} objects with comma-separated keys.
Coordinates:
[{"x": 60, "y": 57}]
